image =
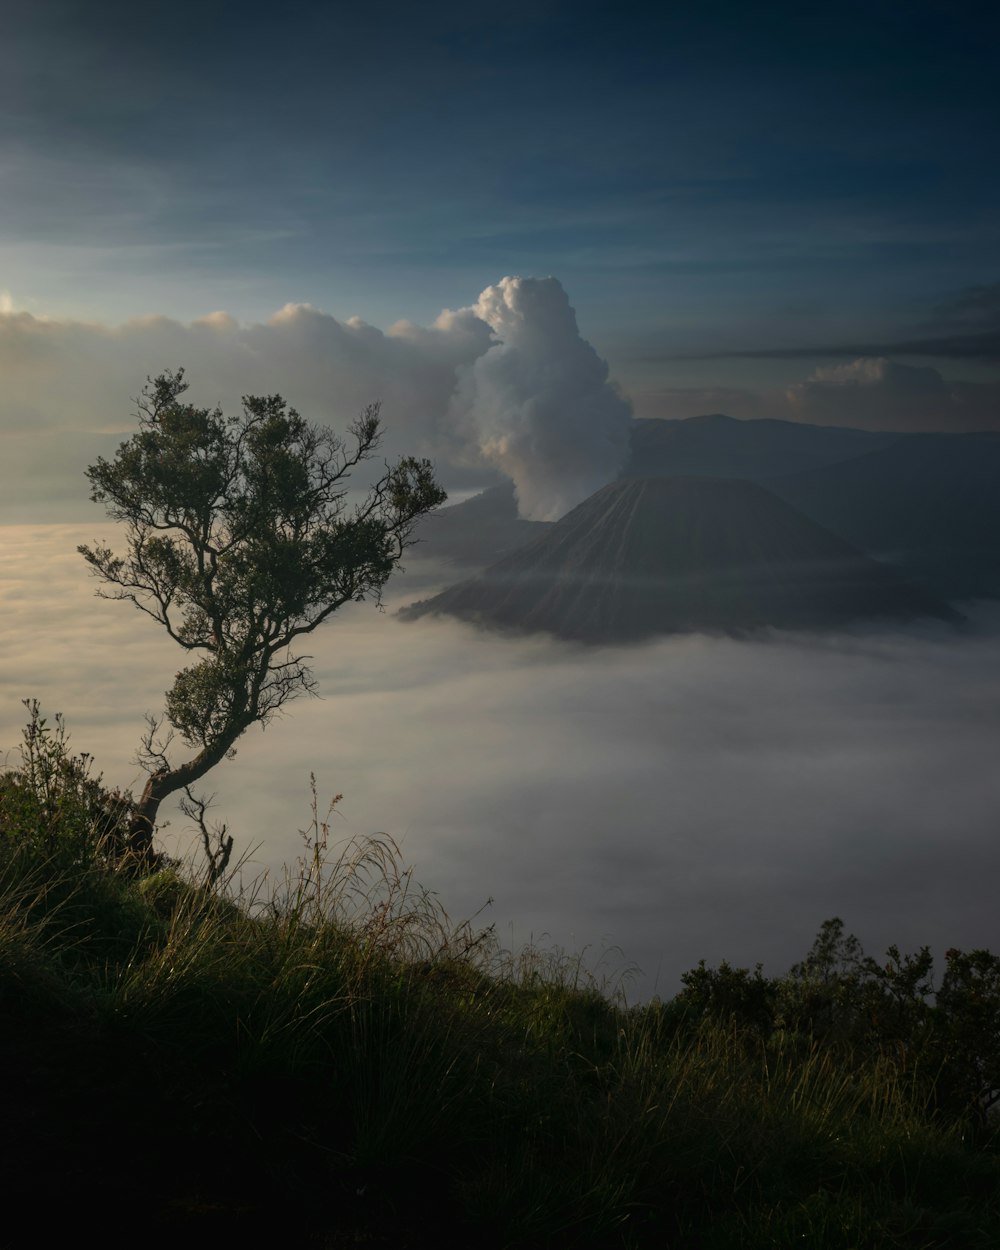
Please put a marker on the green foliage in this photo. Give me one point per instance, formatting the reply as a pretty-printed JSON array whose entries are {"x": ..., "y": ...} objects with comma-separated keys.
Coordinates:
[
  {"x": 54, "y": 806},
  {"x": 968, "y": 1011},
  {"x": 239, "y": 543},
  {"x": 726, "y": 993},
  {"x": 946, "y": 1038}
]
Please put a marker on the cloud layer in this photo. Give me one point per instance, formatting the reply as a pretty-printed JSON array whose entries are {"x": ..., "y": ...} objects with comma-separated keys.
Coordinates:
[
  {"x": 879, "y": 394},
  {"x": 871, "y": 392},
  {"x": 507, "y": 384},
  {"x": 696, "y": 797}
]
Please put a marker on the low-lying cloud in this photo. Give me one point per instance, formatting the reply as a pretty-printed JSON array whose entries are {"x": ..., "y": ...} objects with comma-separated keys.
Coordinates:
[
  {"x": 870, "y": 392},
  {"x": 693, "y": 797},
  {"x": 881, "y": 394}
]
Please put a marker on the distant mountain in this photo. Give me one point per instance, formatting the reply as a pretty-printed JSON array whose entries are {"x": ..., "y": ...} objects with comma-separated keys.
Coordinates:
[
  {"x": 720, "y": 446},
  {"x": 486, "y": 527},
  {"x": 479, "y": 530},
  {"x": 665, "y": 555},
  {"x": 929, "y": 503}
]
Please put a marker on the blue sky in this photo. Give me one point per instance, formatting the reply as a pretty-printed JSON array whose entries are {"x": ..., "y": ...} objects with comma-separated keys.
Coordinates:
[{"x": 704, "y": 180}]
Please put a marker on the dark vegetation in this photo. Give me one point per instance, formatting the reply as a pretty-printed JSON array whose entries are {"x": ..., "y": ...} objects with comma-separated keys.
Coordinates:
[
  {"x": 326, "y": 1059},
  {"x": 240, "y": 543}
]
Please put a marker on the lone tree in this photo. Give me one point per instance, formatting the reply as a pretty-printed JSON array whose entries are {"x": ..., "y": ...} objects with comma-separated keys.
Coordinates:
[{"x": 241, "y": 541}]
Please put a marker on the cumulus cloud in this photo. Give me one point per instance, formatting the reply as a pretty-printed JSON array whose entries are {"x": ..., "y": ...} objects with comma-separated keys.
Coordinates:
[
  {"x": 881, "y": 394},
  {"x": 506, "y": 384},
  {"x": 540, "y": 401},
  {"x": 68, "y": 387},
  {"x": 870, "y": 392},
  {"x": 79, "y": 376}
]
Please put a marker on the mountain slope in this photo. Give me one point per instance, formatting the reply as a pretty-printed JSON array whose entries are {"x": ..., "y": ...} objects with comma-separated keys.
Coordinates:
[
  {"x": 930, "y": 503},
  {"x": 478, "y": 530},
  {"x": 663, "y": 555},
  {"x": 486, "y": 527},
  {"x": 720, "y": 446}
]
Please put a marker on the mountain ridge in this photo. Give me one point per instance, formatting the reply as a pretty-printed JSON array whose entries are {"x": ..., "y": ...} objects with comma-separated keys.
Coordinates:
[{"x": 644, "y": 556}]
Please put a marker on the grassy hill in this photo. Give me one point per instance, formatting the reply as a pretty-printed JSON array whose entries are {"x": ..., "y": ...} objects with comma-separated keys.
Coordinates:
[
  {"x": 329, "y": 1060},
  {"x": 928, "y": 502}
]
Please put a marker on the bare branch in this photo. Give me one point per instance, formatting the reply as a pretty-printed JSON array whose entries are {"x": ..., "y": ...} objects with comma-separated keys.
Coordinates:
[{"x": 217, "y": 842}]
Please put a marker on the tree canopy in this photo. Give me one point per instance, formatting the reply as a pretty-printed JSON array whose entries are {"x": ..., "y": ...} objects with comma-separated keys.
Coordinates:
[{"x": 240, "y": 541}]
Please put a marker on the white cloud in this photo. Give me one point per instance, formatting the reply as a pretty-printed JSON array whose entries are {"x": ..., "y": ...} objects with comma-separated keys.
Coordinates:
[
  {"x": 540, "y": 401},
  {"x": 541, "y": 405},
  {"x": 876, "y": 393},
  {"x": 69, "y": 386}
]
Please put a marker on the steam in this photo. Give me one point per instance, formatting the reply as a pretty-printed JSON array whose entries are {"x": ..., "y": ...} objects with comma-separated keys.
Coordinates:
[
  {"x": 539, "y": 401},
  {"x": 506, "y": 384}
]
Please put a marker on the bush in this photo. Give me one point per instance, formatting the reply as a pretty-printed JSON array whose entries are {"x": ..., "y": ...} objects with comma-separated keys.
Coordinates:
[{"x": 53, "y": 808}]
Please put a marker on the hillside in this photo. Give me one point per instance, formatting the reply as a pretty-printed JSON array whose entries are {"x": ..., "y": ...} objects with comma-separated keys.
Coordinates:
[
  {"x": 719, "y": 446},
  {"x": 479, "y": 530},
  {"x": 487, "y": 527},
  {"x": 327, "y": 1061},
  {"x": 664, "y": 555},
  {"x": 928, "y": 502}
]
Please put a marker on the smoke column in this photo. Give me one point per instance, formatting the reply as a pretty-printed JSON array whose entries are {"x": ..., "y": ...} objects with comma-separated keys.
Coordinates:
[{"x": 539, "y": 401}]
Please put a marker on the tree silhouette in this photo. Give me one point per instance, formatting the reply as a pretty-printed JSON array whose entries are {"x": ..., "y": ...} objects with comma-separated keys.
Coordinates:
[{"x": 240, "y": 542}]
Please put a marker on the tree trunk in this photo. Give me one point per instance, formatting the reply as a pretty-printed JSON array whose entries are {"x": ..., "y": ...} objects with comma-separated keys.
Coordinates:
[
  {"x": 165, "y": 782},
  {"x": 140, "y": 828}
]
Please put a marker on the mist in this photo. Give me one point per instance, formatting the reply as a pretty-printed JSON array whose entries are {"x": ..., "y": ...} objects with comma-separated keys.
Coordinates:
[
  {"x": 540, "y": 402},
  {"x": 695, "y": 797}
]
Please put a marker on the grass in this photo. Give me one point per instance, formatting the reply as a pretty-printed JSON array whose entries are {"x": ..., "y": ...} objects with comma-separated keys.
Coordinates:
[{"x": 327, "y": 1058}]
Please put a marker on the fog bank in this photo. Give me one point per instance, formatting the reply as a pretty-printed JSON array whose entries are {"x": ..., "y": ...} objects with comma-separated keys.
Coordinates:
[{"x": 692, "y": 798}]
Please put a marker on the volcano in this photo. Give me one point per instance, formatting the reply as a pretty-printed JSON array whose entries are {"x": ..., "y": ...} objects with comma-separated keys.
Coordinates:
[
  {"x": 647, "y": 556},
  {"x": 479, "y": 530}
]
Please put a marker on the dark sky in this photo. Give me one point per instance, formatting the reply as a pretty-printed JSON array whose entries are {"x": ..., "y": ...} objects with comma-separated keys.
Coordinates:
[{"x": 703, "y": 179}]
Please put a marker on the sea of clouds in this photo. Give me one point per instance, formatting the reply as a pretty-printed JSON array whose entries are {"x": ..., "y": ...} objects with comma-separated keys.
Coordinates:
[{"x": 695, "y": 797}]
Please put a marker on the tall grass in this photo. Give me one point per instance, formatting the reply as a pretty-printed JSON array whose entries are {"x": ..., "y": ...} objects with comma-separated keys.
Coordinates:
[{"x": 329, "y": 1053}]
